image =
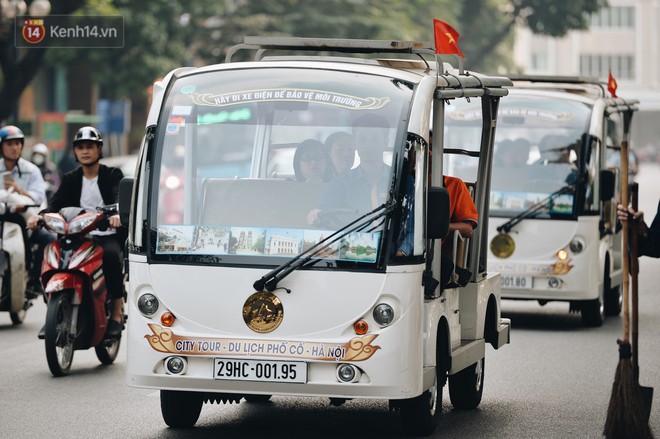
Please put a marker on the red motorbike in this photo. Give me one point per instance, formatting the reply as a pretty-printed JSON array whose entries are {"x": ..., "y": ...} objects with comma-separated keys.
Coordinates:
[{"x": 74, "y": 288}]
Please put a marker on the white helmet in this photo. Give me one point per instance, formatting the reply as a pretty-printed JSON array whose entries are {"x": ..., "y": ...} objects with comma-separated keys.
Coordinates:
[{"x": 40, "y": 148}]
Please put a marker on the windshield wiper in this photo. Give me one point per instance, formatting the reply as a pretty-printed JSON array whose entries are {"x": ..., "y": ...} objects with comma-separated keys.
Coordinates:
[
  {"x": 270, "y": 279},
  {"x": 532, "y": 210}
]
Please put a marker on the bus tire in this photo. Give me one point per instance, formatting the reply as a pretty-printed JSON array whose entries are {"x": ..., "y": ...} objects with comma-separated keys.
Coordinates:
[
  {"x": 420, "y": 415},
  {"x": 593, "y": 312},
  {"x": 613, "y": 298},
  {"x": 257, "y": 399},
  {"x": 180, "y": 409},
  {"x": 467, "y": 386}
]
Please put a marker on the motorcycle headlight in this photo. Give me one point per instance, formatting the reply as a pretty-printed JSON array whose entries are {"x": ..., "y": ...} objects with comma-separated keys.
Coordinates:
[
  {"x": 79, "y": 224},
  {"x": 55, "y": 224}
]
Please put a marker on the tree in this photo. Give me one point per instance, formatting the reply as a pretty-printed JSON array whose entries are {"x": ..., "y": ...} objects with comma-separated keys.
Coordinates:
[
  {"x": 498, "y": 18},
  {"x": 163, "y": 34},
  {"x": 158, "y": 35},
  {"x": 18, "y": 70},
  {"x": 486, "y": 26}
]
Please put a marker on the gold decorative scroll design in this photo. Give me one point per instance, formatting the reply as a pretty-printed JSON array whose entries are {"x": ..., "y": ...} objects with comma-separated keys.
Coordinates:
[{"x": 356, "y": 349}]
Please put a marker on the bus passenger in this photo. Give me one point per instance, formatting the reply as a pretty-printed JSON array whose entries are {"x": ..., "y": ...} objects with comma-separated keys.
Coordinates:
[
  {"x": 512, "y": 153},
  {"x": 555, "y": 148},
  {"x": 463, "y": 214},
  {"x": 365, "y": 187},
  {"x": 341, "y": 149},
  {"x": 310, "y": 162}
]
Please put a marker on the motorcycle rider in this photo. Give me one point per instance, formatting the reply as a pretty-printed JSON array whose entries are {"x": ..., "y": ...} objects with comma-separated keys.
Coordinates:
[
  {"x": 40, "y": 156},
  {"x": 89, "y": 186},
  {"x": 24, "y": 178}
]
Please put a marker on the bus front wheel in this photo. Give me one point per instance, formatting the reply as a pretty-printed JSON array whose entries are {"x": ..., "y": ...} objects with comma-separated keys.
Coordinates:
[
  {"x": 420, "y": 415},
  {"x": 593, "y": 312},
  {"x": 613, "y": 298},
  {"x": 180, "y": 409}
]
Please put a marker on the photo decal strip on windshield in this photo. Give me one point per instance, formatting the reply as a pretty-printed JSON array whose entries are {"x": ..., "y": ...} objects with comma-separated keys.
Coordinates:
[
  {"x": 289, "y": 95},
  {"x": 263, "y": 241}
]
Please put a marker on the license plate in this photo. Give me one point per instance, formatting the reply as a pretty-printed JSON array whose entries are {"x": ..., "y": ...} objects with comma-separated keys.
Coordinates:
[
  {"x": 517, "y": 282},
  {"x": 260, "y": 370}
]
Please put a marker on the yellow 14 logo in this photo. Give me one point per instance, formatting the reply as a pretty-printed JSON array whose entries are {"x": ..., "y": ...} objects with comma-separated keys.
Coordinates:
[{"x": 33, "y": 31}]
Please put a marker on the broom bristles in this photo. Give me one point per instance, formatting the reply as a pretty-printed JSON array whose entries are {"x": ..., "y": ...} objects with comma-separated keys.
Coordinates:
[{"x": 625, "y": 414}]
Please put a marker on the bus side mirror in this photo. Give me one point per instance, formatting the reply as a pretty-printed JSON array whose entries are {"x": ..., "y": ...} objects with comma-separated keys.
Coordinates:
[
  {"x": 125, "y": 193},
  {"x": 437, "y": 214},
  {"x": 607, "y": 184}
]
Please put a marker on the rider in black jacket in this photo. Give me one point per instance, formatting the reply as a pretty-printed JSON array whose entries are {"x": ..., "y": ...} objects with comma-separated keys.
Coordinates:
[{"x": 89, "y": 186}]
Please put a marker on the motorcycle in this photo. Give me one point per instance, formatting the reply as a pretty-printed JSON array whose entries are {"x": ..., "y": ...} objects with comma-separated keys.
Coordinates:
[
  {"x": 78, "y": 306},
  {"x": 14, "y": 295}
]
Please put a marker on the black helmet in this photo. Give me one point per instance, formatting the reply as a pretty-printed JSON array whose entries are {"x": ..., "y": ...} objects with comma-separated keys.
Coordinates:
[{"x": 88, "y": 133}]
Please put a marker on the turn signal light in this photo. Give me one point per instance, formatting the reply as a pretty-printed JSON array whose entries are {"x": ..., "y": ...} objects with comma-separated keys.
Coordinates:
[
  {"x": 361, "y": 327},
  {"x": 167, "y": 319}
]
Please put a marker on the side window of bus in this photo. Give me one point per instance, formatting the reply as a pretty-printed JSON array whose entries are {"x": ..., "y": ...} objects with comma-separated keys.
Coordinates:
[
  {"x": 614, "y": 127},
  {"x": 591, "y": 199}
]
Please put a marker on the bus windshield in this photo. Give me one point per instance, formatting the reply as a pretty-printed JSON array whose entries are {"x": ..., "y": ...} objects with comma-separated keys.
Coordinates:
[
  {"x": 538, "y": 147},
  {"x": 259, "y": 164}
]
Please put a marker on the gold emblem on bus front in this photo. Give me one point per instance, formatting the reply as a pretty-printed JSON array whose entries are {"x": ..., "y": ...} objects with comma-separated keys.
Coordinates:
[
  {"x": 502, "y": 245},
  {"x": 263, "y": 312}
]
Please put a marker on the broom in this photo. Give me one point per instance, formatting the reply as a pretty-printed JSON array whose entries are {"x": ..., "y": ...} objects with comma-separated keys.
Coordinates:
[{"x": 625, "y": 419}]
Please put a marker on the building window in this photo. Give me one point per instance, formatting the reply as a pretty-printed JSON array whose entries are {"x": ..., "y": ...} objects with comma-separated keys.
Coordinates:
[
  {"x": 539, "y": 61},
  {"x": 614, "y": 17},
  {"x": 622, "y": 66}
]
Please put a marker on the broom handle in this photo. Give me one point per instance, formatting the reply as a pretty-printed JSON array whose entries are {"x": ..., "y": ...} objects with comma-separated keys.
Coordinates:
[
  {"x": 624, "y": 202},
  {"x": 634, "y": 272}
]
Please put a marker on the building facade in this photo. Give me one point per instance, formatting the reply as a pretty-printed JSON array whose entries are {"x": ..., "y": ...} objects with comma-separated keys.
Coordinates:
[{"x": 624, "y": 37}]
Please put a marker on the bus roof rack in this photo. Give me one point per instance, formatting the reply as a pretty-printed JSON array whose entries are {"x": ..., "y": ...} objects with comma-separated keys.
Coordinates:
[
  {"x": 331, "y": 44},
  {"x": 556, "y": 79},
  {"x": 575, "y": 84}
]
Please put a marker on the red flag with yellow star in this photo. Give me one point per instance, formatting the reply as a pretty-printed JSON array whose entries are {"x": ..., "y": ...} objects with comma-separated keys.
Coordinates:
[
  {"x": 446, "y": 38},
  {"x": 611, "y": 85}
]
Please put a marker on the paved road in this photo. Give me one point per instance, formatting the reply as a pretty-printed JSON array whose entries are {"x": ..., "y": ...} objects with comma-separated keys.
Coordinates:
[{"x": 553, "y": 381}]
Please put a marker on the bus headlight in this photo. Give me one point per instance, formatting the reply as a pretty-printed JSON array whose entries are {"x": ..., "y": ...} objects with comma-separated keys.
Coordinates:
[
  {"x": 148, "y": 304},
  {"x": 576, "y": 246},
  {"x": 553, "y": 282},
  {"x": 176, "y": 365},
  {"x": 347, "y": 373},
  {"x": 383, "y": 314}
]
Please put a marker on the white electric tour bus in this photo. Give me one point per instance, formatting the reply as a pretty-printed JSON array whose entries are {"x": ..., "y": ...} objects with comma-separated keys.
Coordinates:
[
  {"x": 553, "y": 231},
  {"x": 248, "y": 279}
]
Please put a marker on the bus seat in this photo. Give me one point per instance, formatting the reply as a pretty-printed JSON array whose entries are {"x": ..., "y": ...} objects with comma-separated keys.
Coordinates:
[
  {"x": 270, "y": 209},
  {"x": 460, "y": 275}
]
